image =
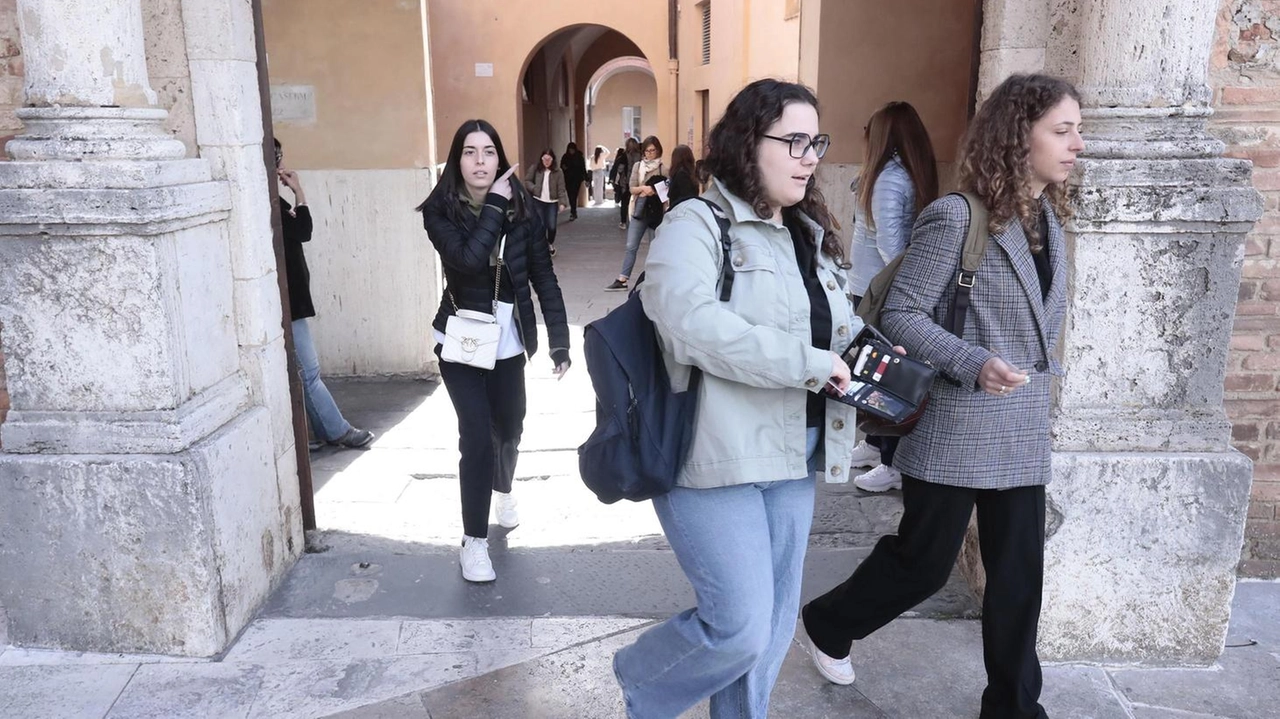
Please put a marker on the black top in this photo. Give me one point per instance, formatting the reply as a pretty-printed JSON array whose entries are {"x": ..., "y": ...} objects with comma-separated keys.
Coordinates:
[
  {"x": 819, "y": 314},
  {"x": 1043, "y": 269},
  {"x": 296, "y": 226},
  {"x": 574, "y": 167},
  {"x": 682, "y": 188},
  {"x": 466, "y": 242}
]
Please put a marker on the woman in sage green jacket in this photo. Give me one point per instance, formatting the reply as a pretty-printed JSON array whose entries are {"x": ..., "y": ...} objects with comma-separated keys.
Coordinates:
[{"x": 738, "y": 519}]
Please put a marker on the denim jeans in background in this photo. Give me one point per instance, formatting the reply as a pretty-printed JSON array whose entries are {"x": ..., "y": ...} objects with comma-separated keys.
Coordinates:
[
  {"x": 742, "y": 548},
  {"x": 548, "y": 212},
  {"x": 636, "y": 232},
  {"x": 326, "y": 419}
]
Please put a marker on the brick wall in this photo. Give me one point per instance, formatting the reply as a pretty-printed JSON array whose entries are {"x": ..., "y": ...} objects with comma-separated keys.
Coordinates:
[{"x": 1245, "y": 74}]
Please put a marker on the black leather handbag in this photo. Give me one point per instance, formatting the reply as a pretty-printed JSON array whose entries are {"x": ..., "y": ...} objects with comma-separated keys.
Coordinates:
[{"x": 889, "y": 390}]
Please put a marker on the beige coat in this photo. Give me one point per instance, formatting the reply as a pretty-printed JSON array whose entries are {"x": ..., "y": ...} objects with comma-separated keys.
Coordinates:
[{"x": 754, "y": 350}]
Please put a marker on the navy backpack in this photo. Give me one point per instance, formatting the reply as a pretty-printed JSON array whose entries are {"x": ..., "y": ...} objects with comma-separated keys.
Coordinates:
[{"x": 643, "y": 429}]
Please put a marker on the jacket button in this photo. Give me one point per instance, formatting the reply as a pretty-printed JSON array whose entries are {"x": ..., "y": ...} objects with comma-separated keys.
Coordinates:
[
  {"x": 842, "y": 331},
  {"x": 838, "y": 424},
  {"x": 835, "y": 470},
  {"x": 1042, "y": 366},
  {"x": 831, "y": 284},
  {"x": 811, "y": 382},
  {"x": 737, "y": 262}
]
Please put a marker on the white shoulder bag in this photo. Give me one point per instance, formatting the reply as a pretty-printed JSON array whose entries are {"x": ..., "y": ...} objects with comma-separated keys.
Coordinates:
[{"x": 471, "y": 337}]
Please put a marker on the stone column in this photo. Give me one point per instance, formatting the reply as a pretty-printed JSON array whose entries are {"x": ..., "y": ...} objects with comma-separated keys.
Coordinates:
[
  {"x": 139, "y": 510},
  {"x": 1148, "y": 501}
]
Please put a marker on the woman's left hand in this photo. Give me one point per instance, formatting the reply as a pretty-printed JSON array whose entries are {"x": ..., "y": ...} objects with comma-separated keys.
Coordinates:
[{"x": 561, "y": 369}]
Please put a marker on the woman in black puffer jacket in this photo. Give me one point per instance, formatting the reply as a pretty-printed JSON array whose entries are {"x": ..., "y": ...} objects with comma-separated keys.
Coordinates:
[{"x": 473, "y": 207}]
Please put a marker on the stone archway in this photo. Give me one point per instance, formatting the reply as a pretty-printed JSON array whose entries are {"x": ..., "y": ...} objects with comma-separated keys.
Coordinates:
[{"x": 628, "y": 64}]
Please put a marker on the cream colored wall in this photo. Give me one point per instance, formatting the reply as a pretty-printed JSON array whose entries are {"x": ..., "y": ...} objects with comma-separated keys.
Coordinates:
[
  {"x": 626, "y": 88},
  {"x": 365, "y": 61},
  {"x": 362, "y": 161},
  {"x": 920, "y": 52},
  {"x": 487, "y": 31}
]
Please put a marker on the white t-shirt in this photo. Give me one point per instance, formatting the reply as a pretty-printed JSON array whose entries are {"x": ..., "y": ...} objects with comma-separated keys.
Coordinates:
[{"x": 546, "y": 187}]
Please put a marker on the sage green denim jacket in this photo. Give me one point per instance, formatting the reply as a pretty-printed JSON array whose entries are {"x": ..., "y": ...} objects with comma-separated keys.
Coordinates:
[{"x": 754, "y": 350}]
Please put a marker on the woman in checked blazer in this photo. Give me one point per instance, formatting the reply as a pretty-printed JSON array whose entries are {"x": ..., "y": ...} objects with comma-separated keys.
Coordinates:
[{"x": 984, "y": 439}]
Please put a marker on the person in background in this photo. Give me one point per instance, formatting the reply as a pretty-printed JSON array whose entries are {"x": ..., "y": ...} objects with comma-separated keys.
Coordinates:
[
  {"x": 546, "y": 184},
  {"x": 641, "y": 193},
  {"x": 574, "y": 165},
  {"x": 899, "y": 178},
  {"x": 683, "y": 181},
  {"x": 984, "y": 440},
  {"x": 620, "y": 175},
  {"x": 599, "y": 165},
  {"x": 483, "y": 226},
  {"x": 326, "y": 420},
  {"x": 738, "y": 518}
]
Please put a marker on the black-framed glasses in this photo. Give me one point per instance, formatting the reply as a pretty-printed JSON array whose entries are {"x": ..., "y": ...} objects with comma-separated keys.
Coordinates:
[{"x": 800, "y": 143}]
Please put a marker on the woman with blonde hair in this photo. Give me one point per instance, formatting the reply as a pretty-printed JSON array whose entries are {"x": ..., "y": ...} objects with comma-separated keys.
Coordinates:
[{"x": 983, "y": 442}]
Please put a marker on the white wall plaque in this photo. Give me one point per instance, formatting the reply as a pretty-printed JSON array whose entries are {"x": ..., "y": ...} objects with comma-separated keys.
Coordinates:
[
  {"x": 484, "y": 69},
  {"x": 293, "y": 103}
]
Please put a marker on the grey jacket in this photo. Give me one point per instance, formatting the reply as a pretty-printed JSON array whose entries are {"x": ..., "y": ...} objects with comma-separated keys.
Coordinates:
[
  {"x": 755, "y": 350},
  {"x": 538, "y": 175},
  {"x": 968, "y": 438},
  {"x": 893, "y": 209}
]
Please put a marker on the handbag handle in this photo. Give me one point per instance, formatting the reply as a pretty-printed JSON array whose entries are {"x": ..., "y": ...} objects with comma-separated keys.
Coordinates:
[{"x": 497, "y": 279}]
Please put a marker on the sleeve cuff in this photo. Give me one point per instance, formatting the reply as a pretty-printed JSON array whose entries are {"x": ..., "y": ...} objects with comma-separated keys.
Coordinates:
[
  {"x": 970, "y": 366},
  {"x": 559, "y": 356},
  {"x": 817, "y": 370},
  {"x": 498, "y": 201}
]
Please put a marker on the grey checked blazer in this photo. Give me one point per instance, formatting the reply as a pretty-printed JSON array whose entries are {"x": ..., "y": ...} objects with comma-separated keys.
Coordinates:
[{"x": 968, "y": 438}]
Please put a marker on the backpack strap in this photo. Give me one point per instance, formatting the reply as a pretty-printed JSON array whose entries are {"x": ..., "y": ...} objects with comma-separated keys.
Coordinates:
[
  {"x": 975, "y": 246},
  {"x": 726, "y": 266}
]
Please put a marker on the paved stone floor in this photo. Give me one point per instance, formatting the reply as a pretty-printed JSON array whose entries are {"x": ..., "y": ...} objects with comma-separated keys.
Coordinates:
[{"x": 375, "y": 620}]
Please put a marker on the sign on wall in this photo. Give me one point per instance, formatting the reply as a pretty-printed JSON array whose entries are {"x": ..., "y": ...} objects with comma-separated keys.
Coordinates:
[{"x": 293, "y": 103}]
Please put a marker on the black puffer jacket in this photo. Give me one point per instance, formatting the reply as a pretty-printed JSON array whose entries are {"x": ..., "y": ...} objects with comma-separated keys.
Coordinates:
[{"x": 465, "y": 250}]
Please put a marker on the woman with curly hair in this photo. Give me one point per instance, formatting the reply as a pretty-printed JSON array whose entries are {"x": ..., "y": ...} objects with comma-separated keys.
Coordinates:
[
  {"x": 738, "y": 519},
  {"x": 984, "y": 440}
]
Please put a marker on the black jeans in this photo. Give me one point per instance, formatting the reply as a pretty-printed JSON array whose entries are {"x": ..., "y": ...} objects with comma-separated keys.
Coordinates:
[
  {"x": 547, "y": 212},
  {"x": 622, "y": 194},
  {"x": 490, "y": 405},
  {"x": 886, "y": 445},
  {"x": 905, "y": 569},
  {"x": 575, "y": 188}
]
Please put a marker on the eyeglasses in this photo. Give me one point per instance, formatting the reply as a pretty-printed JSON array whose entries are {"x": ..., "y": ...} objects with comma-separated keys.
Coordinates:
[
  {"x": 279, "y": 157},
  {"x": 652, "y": 149},
  {"x": 800, "y": 144}
]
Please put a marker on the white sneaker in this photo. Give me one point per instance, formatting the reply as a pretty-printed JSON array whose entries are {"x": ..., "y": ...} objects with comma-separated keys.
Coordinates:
[
  {"x": 880, "y": 479},
  {"x": 836, "y": 671},
  {"x": 504, "y": 510},
  {"x": 476, "y": 566},
  {"x": 864, "y": 455}
]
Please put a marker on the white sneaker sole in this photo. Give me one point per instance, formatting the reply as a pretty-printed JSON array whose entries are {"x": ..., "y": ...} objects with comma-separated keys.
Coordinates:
[
  {"x": 877, "y": 487},
  {"x": 817, "y": 664},
  {"x": 507, "y": 524},
  {"x": 479, "y": 579}
]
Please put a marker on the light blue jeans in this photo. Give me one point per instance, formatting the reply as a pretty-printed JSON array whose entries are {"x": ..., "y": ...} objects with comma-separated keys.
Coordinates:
[
  {"x": 742, "y": 548},
  {"x": 326, "y": 419},
  {"x": 636, "y": 232}
]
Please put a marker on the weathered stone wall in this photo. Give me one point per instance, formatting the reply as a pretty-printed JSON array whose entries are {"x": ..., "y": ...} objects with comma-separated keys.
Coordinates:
[
  {"x": 10, "y": 98},
  {"x": 1245, "y": 74}
]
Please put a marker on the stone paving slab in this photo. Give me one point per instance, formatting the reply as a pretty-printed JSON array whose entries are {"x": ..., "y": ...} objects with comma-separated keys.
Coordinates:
[{"x": 45, "y": 692}]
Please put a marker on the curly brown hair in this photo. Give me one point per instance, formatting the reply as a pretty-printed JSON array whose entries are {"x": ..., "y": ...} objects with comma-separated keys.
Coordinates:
[
  {"x": 732, "y": 149},
  {"x": 995, "y": 162}
]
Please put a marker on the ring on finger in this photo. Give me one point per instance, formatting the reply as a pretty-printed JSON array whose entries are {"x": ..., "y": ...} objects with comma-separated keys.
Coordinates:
[{"x": 1003, "y": 389}]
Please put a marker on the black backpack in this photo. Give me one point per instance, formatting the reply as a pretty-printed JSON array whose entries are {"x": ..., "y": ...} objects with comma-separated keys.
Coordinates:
[{"x": 643, "y": 429}]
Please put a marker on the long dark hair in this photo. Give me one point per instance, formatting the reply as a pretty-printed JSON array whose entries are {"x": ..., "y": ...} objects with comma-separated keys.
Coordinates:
[
  {"x": 682, "y": 159},
  {"x": 446, "y": 196},
  {"x": 733, "y": 147},
  {"x": 540, "y": 167},
  {"x": 595, "y": 157},
  {"x": 995, "y": 162},
  {"x": 896, "y": 129}
]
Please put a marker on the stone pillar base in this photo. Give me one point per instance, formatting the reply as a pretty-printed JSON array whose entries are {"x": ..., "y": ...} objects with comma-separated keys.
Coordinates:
[
  {"x": 159, "y": 554},
  {"x": 1141, "y": 556}
]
